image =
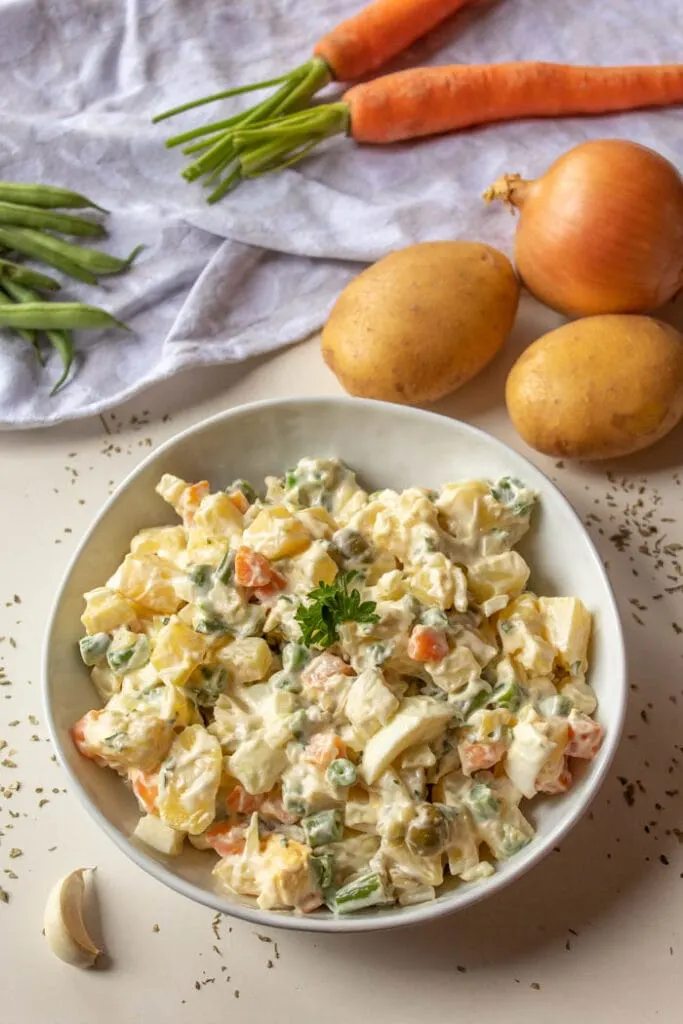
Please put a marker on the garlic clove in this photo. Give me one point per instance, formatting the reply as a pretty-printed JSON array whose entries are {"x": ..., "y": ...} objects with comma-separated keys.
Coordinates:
[{"x": 65, "y": 930}]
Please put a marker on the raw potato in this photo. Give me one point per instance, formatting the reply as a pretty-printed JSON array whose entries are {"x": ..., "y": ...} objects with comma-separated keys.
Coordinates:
[
  {"x": 422, "y": 321},
  {"x": 598, "y": 388}
]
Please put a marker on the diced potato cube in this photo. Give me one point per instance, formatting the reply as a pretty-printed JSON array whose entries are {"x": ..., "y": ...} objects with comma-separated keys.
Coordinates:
[
  {"x": 167, "y": 542},
  {"x": 461, "y": 505},
  {"x": 177, "y": 652},
  {"x": 438, "y": 582},
  {"x": 506, "y": 573},
  {"x": 276, "y": 533},
  {"x": 106, "y": 610},
  {"x": 528, "y": 752},
  {"x": 161, "y": 837},
  {"x": 370, "y": 703},
  {"x": 257, "y": 765},
  {"x": 568, "y": 629},
  {"x": 248, "y": 659},
  {"x": 106, "y": 682},
  {"x": 170, "y": 488},
  {"x": 204, "y": 547},
  {"x": 318, "y": 522},
  {"x": 189, "y": 779},
  {"x": 536, "y": 655},
  {"x": 219, "y": 516},
  {"x": 150, "y": 582},
  {"x": 314, "y": 566},
  {"x": 420, "y": 719},
  {"x": 455, "y": 671}
]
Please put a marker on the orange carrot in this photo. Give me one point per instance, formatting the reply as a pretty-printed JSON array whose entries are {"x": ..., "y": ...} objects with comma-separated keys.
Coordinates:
[
  {"x": 324, "y": 748},
  {"x": 353, "y": 49},
  {"x": 252, "y": 569},
  {"x": 378, "y": 32},
  {"x": 427, "y": 644},
  {"x": 432, "y": 101}
]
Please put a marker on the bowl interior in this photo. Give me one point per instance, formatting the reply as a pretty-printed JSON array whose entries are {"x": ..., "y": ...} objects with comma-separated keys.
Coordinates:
[{"x": 388, "y": 446}]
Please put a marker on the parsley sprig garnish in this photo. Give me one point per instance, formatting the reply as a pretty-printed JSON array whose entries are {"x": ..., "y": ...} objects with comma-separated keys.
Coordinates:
[{"x": 330, "y": 605}]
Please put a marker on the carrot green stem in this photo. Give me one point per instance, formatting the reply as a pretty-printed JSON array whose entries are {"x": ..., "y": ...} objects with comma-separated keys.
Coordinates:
[
  {"x": 289, "y": 140},
  {"x": 219, "y": 151},
  {"x": 225, "y": 95}
]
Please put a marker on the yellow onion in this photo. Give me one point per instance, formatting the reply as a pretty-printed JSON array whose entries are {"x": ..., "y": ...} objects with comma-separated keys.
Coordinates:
[{"x": 601, "y": 231}]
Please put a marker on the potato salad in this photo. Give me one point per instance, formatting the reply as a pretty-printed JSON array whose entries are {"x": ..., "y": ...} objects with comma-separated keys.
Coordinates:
[{"x": 344, "y": 698}]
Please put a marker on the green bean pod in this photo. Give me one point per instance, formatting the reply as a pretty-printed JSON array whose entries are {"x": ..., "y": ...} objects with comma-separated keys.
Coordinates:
[
  {"x": 36, "y": 217},
  {"x": 48, "y": 197},
  {"x": 10, "y": 271},
  {"x": 92, "y": 260},
  {"x": 62, "y": 342},
  {"x": 46, "y": 249},
  {"x": 28, "y": 336},
  {"x": 45, "y": 316}
]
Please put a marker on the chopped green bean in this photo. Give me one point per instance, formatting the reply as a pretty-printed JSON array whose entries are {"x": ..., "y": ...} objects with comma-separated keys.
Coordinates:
[
  {"x": 323, "y": 870},
  {"x": 226, "y": 569},
  {"x": 245, "y": 487},
  {"x": 10, "y": 271},
  {"x": 49, "y": 197},
  {"x": 93, "y": 648},
  {"x": 483, "y": 803},
  {"x": 47, "y": 220},
  {"x": 508, "y": 696},
  {"x": 366, "y": 891},
  {"x": 43, "y": 316},
  {"x": 323, "y": 827},
  {"x": 128, "y": 652},
  {"x": 200, "y": 575}
]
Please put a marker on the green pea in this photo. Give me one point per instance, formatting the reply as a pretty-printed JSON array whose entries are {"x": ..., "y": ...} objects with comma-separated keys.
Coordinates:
[
  {"x": 294, "y": 656},
  {"x": 341, "y": 772},
  {"x": 427, "y": 833}
]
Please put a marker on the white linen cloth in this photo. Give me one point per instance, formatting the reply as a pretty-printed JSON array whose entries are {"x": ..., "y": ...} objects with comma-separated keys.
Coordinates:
[{"x": 81, "y": 79}]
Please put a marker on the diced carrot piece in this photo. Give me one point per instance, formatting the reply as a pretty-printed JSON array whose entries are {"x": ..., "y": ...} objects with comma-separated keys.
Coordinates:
[
  {"x": 427, "y": 644},
  {"x": 239, "y": 500},
  {"x": 323, "y": 668},
  {"x": 585, "y": 737},
  {"x": 146, "y": 788},
  {"x": 560, "y": 784},
  {"x": 241, "y": 802},
  {"x": 273, "y": 809},
  {"x": 252, "y": 569},
  {"x": 78, "y": 734},
  {"x": 324, "y": 748},
  {"x": 190, "y": 500},
  {"x": 475, "y": 757},
  {"x": 272, "y": 589},
  {"x": 225, "y": 838}
]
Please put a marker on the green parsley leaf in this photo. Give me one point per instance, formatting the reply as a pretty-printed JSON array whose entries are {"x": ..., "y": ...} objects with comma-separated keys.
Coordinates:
[{"x": 330, "y": 605}]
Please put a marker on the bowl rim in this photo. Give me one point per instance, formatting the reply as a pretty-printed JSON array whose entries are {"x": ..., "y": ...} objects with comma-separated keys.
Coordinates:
[{"x": 389, "y": 919}]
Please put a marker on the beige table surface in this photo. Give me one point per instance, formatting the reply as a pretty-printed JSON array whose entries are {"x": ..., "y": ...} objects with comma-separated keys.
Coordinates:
[{"x": 595, "y": 933}]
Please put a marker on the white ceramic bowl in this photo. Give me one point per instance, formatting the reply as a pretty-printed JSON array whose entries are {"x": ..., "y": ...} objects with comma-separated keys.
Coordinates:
[{"x": 388, "y": 446}]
